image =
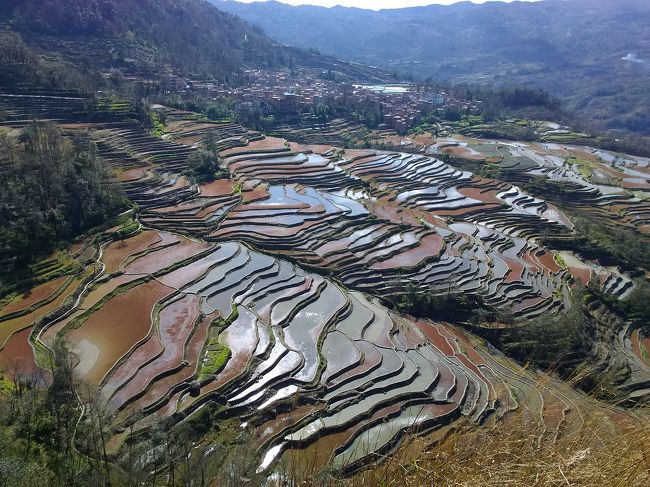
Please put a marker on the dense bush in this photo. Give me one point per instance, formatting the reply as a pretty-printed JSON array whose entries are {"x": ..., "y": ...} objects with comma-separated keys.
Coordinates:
[
  {"x": 449, "y": 306},
  {"x": 549, "y": 341},
  {"x": 637, "y": 304},
  {"x": 202, "y": 166},
  {"x": 38, "y": 426},
  {"x": 625, "y": 246},
  {"x": 543, "y": 342}
]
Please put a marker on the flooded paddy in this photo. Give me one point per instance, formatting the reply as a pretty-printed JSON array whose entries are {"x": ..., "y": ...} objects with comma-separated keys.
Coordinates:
[
  {"x": 272, "y": 316},
  {"x": 33, "y": 296},
  {"x": 112, "y": 330}
]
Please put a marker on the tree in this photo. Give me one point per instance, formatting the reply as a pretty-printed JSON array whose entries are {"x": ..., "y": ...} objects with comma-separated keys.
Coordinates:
[
  {"x": 55, "y": 189},
  {"x": 56, "y": 431},
  {"x": 202, "y": 165},
  {"x": 637, "y": 304},
  {"x": 322, "y": 112}
]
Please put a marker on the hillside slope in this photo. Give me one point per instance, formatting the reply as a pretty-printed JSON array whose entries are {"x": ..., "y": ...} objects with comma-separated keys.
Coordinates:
[
  {"x": 153, "y": 37},
  {"x": 143, "y": 36},
  {"x": 593, "y": 53}
]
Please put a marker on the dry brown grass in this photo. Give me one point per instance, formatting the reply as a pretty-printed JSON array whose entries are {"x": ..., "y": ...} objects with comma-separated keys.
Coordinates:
[
  {"x": 608, "y": 447},
  {"x": 497, "y": 457}
]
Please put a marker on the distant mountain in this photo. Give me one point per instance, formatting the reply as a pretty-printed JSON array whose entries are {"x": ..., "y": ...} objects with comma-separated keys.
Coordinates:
[
  {"x": 593, "y": 53},
  {"x": 154, "y": 37}
]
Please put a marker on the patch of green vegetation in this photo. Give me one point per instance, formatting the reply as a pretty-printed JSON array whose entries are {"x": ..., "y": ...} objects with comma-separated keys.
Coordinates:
[
  {"x": 490, "y": 170},
  {"x": 6, "y": 386},
  {"x": 217, "y": 354},
  {"x": 157, "y": 124},
  {"x": 217, "y": 359},
  {"x": 24, "y": 69},
  {"x": 19, "y": 281},
  {"x": 561, "y": 138},
  {"x": 203, "y": 166},
  {"x": 616, "y": 244},
  {"x": 595, "y": 237},
  {"x": 200, "y": 422},
  {"x": 43, "y": 440},
  {"x": 112, "y": 107},
  {"x": 127, "y": 230},
  {"x": 637, "y": 303},
  {"x": 501, "y": 129},
  {"x": 544, "y": 342},
  {"x": 584, "y": 167},
  {"x": 550, "y": 340}
]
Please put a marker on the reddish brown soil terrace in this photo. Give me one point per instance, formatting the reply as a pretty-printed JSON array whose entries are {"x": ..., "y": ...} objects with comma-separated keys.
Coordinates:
[
  {"x": 437, "y": 339},
  {"x": 582, "y": 274},
  {"x": 156, "y": 260},
  {"x": 645, "y": 343},
  {"x": 424, "y": 140},
  {"x": 13, "y": 325},
  {"x": 547, "y": 259},
  {"x": 112, "y": 330},
  {"x": 486, "y": 195},
  {"x": 134, "y": 174},
  {"x": 430, "y": 246},
  {"x": 641, "y": 346},
  {"x": 318, "y": 149},
  {"x": 220, "y": 187},
  {"x": 516, "y": 271},
  {"x": 33, "y": 296},
  {"x": 182, "y": 128},
  {"x": 253, "y": 193},
  {"x": 461, "y": 152},
  {"x": 267, "y": 143},
  {"x": 116, "y": 253},
  {"x": 527, "y": 303},
  {"x": 162, "y": 352},
  {"x": 17, "y": 357}
]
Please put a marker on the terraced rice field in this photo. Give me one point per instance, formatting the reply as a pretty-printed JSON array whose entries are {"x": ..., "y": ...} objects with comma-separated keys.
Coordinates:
[
  {"x": 381, "y": 220},
  {"x": 617, "y": 185},
  {"x": 260, "y": 291},
  {"x": 362, "y": 377},
  {"x": 21, "y": 313}
]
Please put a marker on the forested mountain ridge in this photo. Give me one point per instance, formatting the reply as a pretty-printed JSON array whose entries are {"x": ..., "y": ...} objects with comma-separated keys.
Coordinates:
[
  {"x": 150, "y": 37},
  {"x": 143, "y": 36},
  {"x": 593, "y": 53}
]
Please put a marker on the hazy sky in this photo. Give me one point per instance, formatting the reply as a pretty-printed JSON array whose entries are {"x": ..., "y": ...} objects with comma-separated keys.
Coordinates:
[{"x": 374, "y": 4}]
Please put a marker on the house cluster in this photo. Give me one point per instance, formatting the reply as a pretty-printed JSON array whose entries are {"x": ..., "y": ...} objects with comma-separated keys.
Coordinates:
[
  {"x": 274, "y": 92},
  {"x": 404, "y": 109},
  {"x": 288, "y": 95}
]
